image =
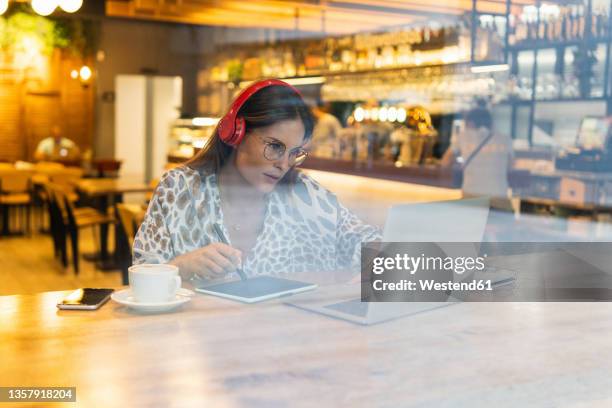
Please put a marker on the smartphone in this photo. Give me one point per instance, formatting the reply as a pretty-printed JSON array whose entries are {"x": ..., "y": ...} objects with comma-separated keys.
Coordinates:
[{"x": 85, "y": 299}]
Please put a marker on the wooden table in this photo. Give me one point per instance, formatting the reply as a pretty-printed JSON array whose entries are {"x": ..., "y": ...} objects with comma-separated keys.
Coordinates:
[
  {"x": 217, "y": 353},
  {"x": 106, "y": 192},
  {"x": 100, "y": 187}
]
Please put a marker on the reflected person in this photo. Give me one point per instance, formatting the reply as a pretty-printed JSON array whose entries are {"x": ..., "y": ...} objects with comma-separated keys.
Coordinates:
[{"x": 487, "y": 172}]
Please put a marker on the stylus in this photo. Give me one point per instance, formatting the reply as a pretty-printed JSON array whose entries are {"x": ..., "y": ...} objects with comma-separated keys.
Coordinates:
[{"x": 221, "y": 235}]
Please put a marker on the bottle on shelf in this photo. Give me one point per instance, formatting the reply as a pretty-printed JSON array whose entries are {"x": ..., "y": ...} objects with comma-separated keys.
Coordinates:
[
  {"x": 572, "y": 23},
  {"x": 543, "y": 29},
  {"x": 520, "y": 31},
  {"x": 564, "y": 27}
]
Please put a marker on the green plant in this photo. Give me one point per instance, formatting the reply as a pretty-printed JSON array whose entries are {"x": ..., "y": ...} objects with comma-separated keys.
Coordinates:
[
  {"x": 234, "y": 71},
  {"x": 74, "y": 35}
]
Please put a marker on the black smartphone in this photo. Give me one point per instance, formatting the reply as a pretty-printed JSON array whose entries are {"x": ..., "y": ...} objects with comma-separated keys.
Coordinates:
[{"x": 86, "y": 299}]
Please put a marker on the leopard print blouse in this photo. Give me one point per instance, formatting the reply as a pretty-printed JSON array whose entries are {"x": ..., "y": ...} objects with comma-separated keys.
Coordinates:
[{"x": 305, "y": 227}]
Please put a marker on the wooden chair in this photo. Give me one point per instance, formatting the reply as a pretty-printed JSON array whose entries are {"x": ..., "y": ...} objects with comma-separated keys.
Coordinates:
[
  {"x": 107, "y": 167},
  {"x": 57, "y": 218},
  {"x": 57, "y": 173},
  {"x": 67, "y": 178},
  {"x": 74, "y": 219},
  {"x": 57, "y": 227},
  {"x": 15, "y": 193},
  {"x": 130, "y": 217}
]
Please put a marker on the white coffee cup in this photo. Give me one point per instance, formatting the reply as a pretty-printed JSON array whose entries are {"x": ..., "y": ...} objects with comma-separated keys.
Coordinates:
[{"x": 152, "y": 283}]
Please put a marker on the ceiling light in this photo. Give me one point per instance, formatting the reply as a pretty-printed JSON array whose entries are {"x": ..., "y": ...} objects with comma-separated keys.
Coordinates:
[
  {"x": 44, "y": 7},
  {"x": 70, "y": 6},
  {"x": 401, "y": 115},
  {"x": 359, "y": 114},
  {"x": 3, "y": 6},
  {"x": 392, "y": 114},
  {"x": 382, "y": 114}
]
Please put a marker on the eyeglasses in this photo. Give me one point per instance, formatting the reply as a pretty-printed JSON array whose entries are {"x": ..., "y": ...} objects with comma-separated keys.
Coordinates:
[{"x": 276, "y": 150}]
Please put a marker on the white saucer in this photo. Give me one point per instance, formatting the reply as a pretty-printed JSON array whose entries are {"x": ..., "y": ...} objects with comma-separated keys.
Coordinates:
[{"x": 124, "y": 297}]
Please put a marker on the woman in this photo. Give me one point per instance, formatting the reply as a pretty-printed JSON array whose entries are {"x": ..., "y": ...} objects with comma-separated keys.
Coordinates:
[{"x": 244, "y": 181}]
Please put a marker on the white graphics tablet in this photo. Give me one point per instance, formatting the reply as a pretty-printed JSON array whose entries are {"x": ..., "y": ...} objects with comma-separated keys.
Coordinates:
[{"x": 256, "y": 289}]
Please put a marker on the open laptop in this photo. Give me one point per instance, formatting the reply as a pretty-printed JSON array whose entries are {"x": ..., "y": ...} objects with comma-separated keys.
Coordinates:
[{"x": 441, "y": 221}]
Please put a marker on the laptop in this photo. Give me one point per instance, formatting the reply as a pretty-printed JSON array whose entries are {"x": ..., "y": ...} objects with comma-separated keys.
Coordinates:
[{"x": 440, "y": 221}]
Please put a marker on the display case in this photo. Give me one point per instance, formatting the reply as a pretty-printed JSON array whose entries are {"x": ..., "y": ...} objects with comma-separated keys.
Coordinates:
[{"x": 188, "y": 136}]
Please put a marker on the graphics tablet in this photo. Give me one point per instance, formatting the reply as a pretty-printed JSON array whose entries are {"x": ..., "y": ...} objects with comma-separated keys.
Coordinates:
[{"x": 256, "y": 289}]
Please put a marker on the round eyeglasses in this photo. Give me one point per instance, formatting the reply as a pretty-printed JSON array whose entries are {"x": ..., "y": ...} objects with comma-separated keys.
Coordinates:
[{"x": 276, "y": 150}]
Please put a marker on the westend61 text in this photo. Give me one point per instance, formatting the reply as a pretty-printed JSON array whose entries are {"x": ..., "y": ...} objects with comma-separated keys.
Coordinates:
[{"x": 429, "y": 285}]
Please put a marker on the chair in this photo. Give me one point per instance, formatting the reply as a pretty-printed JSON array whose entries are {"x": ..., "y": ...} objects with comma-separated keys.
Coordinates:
[
  {"x": 57, "y": 226},
  {"x": 56, "y": 219},
  {"x": 74, "y": 219},
  {"x": 67, "y": 178},
  {"x": 130, "y": 217},
  {"x": 15, "y": 192},
  {"x": 107, "y": 167},
  {"x": 46, "y": 172}
]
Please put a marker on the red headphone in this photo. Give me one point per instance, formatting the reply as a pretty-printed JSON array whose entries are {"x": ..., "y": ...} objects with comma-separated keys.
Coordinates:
[{"x": 231, "y": 128}]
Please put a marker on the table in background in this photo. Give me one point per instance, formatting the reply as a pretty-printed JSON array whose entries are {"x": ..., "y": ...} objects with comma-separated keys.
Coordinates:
[
  {"x": 215, "y": 352},
  {"x": 105, "y": 192}
]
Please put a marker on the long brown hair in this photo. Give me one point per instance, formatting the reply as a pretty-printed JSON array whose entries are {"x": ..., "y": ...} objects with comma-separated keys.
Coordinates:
[{"x": 266, "y": 107}]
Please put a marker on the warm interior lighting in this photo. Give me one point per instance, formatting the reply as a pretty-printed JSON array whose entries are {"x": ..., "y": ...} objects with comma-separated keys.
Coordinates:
[
  {"x": 489, "y": 68},
  {"x": 382, "y": 114},
  {"x": 74, "y": 74},
  {"x": 85, "y": 73},
  {"x": 401, "y": 115},
  {"x": 44, "y": 7},
  {"x": 70, "y": 6},
  {"x": 292, "y": 81},
  {"x": 3, "y": 6},
  {"x": 204, "y": 121},
  {"x": 374, "y": 114},
  {"x": 359, "y": 114},
  {"x": 305, "y": 81},
  {"x": 29, "y": 54},
  {"x": 199, "y": 143}
]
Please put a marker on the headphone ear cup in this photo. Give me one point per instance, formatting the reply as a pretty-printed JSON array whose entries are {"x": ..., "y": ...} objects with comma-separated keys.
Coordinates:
[
  {"x": 225, "y": 130},
  {"x": 239, "y": 131},
  {"x": 232, "y": 128}
]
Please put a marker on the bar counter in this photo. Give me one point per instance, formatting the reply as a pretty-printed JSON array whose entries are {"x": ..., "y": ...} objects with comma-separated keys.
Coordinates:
[{"x": 429, "y": 174}]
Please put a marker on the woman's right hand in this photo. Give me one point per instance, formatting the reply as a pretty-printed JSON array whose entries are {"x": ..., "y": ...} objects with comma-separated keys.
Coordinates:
[{"x": 210, "y": 262}]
